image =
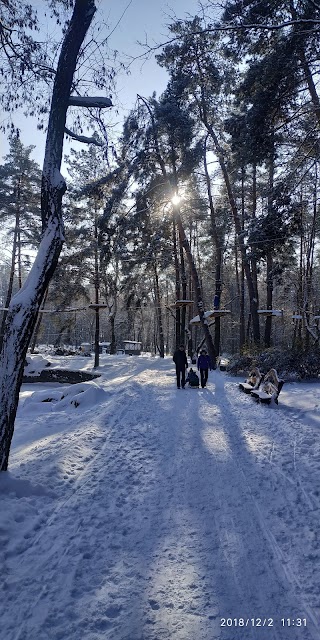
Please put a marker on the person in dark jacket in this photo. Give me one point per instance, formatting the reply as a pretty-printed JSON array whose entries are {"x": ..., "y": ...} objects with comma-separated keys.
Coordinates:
[
  {"x": 193, "y": 379},
  {"x": 181, "y": 362},
  {"x": 204, "y": 364}
]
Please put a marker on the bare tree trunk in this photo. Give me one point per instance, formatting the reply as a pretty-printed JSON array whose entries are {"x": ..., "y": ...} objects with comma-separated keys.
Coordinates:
[
  {"x": 38, "y": 324},
  {"x": 61, "y": 331},
  {"x": 243, "y": 336},
  {"x": 113, "y": 347},
  {"x": 184, "y": 293},
  {"x": 158, "y": 312},
  {"x": 310, "y": 242},
  {"x": 96, "y": 290},
  {"x": 10, "y": 284},
  {"x": 268, "y": 324},
  {"x": 219, "y": 253},
  {"x": 19, "y": 245},
  {"x": 24, "y": 306},
  {"x": 178, "y": 336},
  {"x": 298, "y": 337},
  {"x": 190, "y": 297},
  {"x": 254, "y": 212}
]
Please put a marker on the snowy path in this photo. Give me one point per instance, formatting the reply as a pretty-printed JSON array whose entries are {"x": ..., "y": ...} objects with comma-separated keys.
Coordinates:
[{"x": 164, "y": 512}]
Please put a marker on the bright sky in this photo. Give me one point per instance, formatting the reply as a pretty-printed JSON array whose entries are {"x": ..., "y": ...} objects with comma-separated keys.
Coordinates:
[{"x": 130, "y": 22}]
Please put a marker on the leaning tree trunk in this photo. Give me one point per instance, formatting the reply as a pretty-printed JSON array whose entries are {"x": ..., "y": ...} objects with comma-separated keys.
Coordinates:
[{"x": 24, "y": 306}]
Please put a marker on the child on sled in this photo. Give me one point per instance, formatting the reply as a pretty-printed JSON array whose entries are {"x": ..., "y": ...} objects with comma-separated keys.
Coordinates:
[{"x": 193, "y": 379}]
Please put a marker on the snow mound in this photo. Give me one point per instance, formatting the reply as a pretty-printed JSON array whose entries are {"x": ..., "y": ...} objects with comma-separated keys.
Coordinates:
[
  {"x": 84, "y": 394},
  {"x": 35, "y": 365},
  {"x": 21, "y": 488}
]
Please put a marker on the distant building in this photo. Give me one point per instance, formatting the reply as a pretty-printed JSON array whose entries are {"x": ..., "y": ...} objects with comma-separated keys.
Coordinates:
[
  {"x": 85, "y": 348},
  {"x": 132, "y": 348},
  {"x": 104, "y": 347}
]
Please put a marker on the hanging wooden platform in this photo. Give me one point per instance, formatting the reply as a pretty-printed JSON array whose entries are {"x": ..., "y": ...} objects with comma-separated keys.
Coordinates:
[
  {"x": 214, "y": 313},
  {"x": 271, "y": 312}
]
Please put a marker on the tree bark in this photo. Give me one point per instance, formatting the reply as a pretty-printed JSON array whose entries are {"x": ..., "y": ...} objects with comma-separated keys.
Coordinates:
[
  {"x": 96, "y": 292},
  {"x": 25, "y": 305},
  {"x": 178, "y": 336},
  {"x": 38, "y": 324},
  {"x": 184, "y": 294},
  {"x": 268, "y": 324},
  {"x": 10, "y": 284},
  {"x": 158, "y": 311},
  {"x": 218, "y": 248}
]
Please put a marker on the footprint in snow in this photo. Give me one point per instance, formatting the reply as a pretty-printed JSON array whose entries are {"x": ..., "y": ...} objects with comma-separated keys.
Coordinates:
[{"x": 113, "y": 611}]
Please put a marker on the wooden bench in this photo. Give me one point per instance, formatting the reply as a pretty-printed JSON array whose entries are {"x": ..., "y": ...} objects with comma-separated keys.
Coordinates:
[
  {"x": 270, "y": 388},
  {"x": 252, "y": 382}
]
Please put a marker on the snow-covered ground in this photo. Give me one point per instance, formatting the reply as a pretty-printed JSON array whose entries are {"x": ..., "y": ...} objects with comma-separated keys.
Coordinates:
[{"x": 136, "y": 511}]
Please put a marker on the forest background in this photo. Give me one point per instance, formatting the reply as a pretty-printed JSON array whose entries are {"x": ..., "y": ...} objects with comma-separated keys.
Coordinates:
[{"x": 206, "y": 201}]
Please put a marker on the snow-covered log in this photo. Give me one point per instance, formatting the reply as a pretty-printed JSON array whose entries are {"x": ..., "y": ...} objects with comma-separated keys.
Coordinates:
[
  {"x": 24, "y": 306},
  {"x": 90, "y": 101}
]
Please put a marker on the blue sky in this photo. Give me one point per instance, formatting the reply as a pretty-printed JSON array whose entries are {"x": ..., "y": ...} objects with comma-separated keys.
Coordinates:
[{"x": 129, "y": 22}]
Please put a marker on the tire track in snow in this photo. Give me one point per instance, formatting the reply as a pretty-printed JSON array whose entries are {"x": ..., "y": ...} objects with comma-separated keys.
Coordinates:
[{"x": 79, "y": 483}]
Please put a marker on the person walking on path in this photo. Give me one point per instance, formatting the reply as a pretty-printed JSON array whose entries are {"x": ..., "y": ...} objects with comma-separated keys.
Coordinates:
[
  {"x": 181, "y": 362},
  {"x": 204, "y": 364}
]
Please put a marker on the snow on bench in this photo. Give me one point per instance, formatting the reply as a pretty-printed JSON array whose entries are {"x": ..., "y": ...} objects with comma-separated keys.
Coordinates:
[
  {"x": 252, "y": 382},
  {"x": 270, "y": 388}
]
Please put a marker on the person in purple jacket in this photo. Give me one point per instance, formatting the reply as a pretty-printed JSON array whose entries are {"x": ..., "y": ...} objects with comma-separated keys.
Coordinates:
[{"x": 204, "y": 364}]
